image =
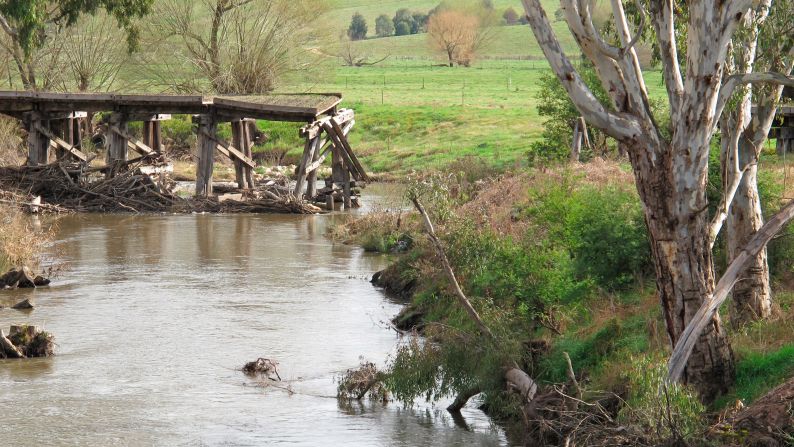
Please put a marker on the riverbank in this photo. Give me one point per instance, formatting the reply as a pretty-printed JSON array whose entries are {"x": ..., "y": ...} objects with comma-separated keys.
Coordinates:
[{"x": 557, "y": 263}]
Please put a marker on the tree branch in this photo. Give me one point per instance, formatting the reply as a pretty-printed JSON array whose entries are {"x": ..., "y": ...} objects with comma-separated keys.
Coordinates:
[
  {"x": 733, "y": 81},
  {"x": 617, "y": 125},
  {"x": 448, "y": 269},
  {"x": 703, "y": 317}
]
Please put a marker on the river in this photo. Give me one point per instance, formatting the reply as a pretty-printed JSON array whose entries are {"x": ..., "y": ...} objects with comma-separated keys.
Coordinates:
[{"x": 156, "y": 314}]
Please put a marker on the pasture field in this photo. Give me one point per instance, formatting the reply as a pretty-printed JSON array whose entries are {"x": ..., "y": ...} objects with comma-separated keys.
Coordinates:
[{"x": 413, "y": 115}]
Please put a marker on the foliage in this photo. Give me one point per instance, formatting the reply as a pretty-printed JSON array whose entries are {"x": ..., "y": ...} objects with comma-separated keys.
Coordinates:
[
  {"x": 404, "y": 22},
  {"x": 666, "y": 412},
  {"x": 247, "y": 48},
  {"x": 20, "y": 244},
  {"x": 384, "y": 27},
  {"x": 603, "y": 230},
  {"x": 30, "y": 19},
  {"x": 555, "y": 105},
  {"x": 456, "y": 35},
  {"x": 358, "y": 27}
]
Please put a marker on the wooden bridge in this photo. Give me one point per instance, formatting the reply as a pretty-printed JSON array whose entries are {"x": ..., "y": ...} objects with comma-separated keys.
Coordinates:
[{"x": 52, "y": 123}]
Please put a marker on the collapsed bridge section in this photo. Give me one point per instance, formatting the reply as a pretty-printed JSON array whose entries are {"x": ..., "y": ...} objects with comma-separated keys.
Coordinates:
[{"x": 52, "y": 124}]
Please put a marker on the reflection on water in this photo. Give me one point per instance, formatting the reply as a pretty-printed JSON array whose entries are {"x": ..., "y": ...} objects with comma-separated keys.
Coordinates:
[{"x": 158, "y": 312}]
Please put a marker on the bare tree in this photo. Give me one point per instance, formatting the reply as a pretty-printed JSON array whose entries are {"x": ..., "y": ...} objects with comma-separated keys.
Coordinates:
[
  {"x": 457, "y": 35},
  {"x": 40, "y": 68},
  {"x": 93, "y": 54},
  {"x": 670, "y": 164},
  {"x": 247, "y": 45},
  {"x": 352, "y": 55}
]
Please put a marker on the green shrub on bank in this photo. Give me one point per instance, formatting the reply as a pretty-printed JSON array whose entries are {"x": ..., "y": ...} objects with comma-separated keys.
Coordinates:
[
  {"x": 670, "y": 414},
  {"x": 602, "y": 228}
]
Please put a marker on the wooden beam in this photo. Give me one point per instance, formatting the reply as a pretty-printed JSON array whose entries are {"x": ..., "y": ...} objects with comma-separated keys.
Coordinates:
[
  {"x": 229, "y": 150},
  {"x": 56, "y": 142},
  {"x": 311, "y": 147},
  {"x": 322, "y": 155},
  {"x": 117, "y": 141},
  {"x": 346, "y": 145},
  {"x": 338, "y": 144},
  {"x": 132, "y": 143},
  {"x": 313, "y": 129},
  {"x": 38, "y": 143}
]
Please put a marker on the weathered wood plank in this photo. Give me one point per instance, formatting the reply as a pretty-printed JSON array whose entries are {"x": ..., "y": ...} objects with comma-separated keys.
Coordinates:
[{"x": 310, "y": 148}]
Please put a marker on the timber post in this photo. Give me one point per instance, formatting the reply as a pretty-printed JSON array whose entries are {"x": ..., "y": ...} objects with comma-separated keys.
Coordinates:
[
  {"x": 38, "y": 142},
  {"x": 117, "y": 142},
  {"x": 207, "y": 126},
  {"x": 242, "y": 136}
]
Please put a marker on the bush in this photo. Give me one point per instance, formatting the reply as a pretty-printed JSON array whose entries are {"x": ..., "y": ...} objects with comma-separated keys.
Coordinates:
[
  {"x": 607, "y": 236},
  {"x": 556, "y": 107},
  {"x": 603, "y": 229},
  {"x": 670, "y": 414}
]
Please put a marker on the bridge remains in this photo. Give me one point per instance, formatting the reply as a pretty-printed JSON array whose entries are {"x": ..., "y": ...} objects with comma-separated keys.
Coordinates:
[
  {"x": 52, "y": 124},
  {"x": 783, "y": 130}
]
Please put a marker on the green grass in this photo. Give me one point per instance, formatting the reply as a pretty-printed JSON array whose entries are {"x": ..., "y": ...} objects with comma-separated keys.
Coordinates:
[
  {"x": 413, "y": 115},
  {"x": 757, "y": 373}
]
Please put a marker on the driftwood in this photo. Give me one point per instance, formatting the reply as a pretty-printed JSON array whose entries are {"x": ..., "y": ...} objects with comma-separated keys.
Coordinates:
[
  {"x": 8, "y": 349},
  {"x": 262, "y": 366},
  {"x": 131, "y": 189}
]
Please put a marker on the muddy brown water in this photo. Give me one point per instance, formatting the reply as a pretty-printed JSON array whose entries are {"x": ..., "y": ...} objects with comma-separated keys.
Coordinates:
[{"x": 157, "y": 313}]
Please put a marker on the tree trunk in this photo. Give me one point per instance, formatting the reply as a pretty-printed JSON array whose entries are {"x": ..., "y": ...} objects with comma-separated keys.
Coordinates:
[
  {"x": 752, "y": 296},
  {"x": 677, "y": 219}
]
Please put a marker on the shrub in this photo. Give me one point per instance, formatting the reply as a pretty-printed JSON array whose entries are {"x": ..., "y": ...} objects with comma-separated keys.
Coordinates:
[
  {"x": 607, "y": 236},
  {"x": 670, "y": 414}
]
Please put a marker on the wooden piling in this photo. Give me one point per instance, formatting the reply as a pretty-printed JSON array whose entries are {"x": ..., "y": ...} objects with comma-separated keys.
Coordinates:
[
  {"x": 311, "y": 148},
  {"x": 152, "y": 135},
  {"x": 117, "y": 152},
  {"x": 207, "y": 126},
  {"x": 249, "y": 127},
  {"x": 38, "y": 143},
  {"x": 238, "y": 141}
]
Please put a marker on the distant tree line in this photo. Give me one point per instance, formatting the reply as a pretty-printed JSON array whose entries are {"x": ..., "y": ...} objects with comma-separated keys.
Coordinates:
[{"x": 406, "y": 22}]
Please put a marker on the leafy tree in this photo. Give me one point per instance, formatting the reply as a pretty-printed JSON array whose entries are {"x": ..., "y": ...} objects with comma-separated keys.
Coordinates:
[
  {"x": 26, "y": 20},
  {"x": 487, "y": 5},
  {"x": 403, "y": 22},
  {"x": 28, "y": 25},
  {"x": 560, "y": 114},
  {"x": 358, "y": 27},
  {"x": 420, "y": 23},
  {"x": 510, "y": 16},
  {"x": 384, "y": 26},
  {"x": 457, "y": 35}
]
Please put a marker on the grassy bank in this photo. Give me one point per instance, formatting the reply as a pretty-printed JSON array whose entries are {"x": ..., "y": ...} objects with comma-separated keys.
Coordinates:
[{"x": 558, "y": 265}]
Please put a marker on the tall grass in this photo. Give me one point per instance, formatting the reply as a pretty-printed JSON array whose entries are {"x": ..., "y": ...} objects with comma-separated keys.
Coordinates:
[{"x": 20, "y": 244}]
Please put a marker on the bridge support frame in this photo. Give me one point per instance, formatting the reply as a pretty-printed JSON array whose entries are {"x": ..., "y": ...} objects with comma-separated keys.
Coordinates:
[{"x": 38, "y": 142}]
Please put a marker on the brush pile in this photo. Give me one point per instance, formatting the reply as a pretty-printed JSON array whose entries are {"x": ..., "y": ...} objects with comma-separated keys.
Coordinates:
[{"x": 140, "y": 185}]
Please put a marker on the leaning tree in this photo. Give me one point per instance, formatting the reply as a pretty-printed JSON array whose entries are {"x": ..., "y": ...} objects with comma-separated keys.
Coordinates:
[{"x": 670, "y": 161}]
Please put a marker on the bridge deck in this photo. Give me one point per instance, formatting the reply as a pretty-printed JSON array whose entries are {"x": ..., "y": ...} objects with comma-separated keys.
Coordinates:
[{"x": 281, "y": 107}]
